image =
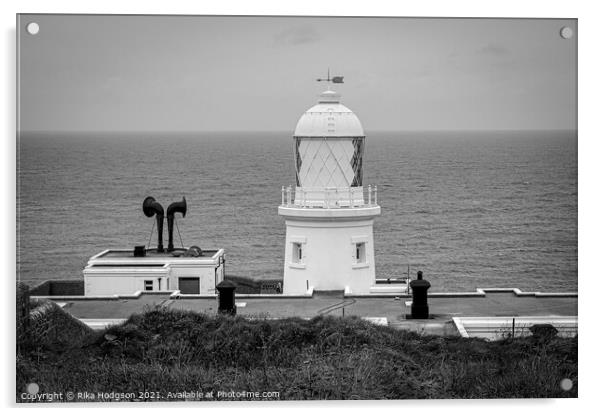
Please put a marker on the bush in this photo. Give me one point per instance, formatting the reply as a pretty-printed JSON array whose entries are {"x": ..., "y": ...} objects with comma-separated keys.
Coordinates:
[{"x": 324, "y": 358}]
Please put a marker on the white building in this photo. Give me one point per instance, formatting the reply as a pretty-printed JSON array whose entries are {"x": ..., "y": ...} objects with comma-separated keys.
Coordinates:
[
  {"x": 120, "y": 272},
  {"x": 329, "y": 214}
]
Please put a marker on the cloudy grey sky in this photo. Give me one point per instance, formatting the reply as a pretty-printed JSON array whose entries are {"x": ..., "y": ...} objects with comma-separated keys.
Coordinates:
[{"x": 173, "y": 73}]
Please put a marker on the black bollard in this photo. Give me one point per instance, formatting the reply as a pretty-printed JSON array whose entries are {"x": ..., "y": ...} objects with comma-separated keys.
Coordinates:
[
  {"x": 226, "y": 297},
  {"x": 420, "y": 307},
  {"x": 139, "y": 251}
]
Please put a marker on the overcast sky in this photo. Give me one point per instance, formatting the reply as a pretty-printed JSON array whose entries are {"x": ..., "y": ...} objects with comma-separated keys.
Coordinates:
[{"x": 168, "y": 73}]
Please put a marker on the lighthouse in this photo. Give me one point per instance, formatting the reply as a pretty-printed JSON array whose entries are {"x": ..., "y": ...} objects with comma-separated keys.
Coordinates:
[{"x": 329, "y": 213}]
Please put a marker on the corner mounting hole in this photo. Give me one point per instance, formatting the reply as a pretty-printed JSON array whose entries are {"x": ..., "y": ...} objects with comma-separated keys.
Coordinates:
[
  {"x": 33, "y": 28},
  {"x": 566, "y": 32},
  {"x": 566, "y": 384}
]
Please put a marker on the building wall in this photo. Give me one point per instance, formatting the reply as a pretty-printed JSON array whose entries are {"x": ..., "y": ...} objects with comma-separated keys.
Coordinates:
[
  {"x": 206, "y": 274},
  {"x": 117, "y": 282},
  {"x": 329, "y": 255}
]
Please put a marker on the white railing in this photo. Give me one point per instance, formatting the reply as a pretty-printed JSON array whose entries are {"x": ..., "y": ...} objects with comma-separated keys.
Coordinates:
[{"x": 347, "y": 197}]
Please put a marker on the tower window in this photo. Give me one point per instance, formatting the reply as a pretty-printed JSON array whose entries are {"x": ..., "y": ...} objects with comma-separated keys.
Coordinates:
[
  {"x": 148, "y": 285},
  {"x": 360, "y": 252},
  {"x": 297, "y": 252}
]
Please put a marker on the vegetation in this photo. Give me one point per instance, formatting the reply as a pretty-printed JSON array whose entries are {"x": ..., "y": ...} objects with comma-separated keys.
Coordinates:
[{"x": 169, "y": 351}]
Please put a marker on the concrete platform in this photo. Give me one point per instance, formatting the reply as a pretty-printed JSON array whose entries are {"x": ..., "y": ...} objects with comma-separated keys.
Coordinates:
[
  {"x": 490, "y": 305},
  {"x": 335, "y": 304},
  {"x": 494, "y": 327}
]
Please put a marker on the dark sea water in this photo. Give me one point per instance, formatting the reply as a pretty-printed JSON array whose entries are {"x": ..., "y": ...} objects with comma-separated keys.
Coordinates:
[{"x": 470, "y": 209}]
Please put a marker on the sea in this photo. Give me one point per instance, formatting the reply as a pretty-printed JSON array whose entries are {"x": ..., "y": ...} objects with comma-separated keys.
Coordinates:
[{"x": 469, "y": 209}]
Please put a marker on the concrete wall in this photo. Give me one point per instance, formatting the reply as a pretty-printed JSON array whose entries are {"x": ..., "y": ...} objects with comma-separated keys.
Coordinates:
[
  {"x": 328, "y": 261},
  {"x": 59, "y": 288}
]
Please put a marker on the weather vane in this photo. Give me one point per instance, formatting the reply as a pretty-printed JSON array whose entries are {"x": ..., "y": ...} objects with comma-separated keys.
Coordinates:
[{"x": 334, "y": 80}]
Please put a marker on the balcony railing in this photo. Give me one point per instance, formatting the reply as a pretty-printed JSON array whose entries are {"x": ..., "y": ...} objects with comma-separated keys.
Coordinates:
[{"x": 331, "y": 198}]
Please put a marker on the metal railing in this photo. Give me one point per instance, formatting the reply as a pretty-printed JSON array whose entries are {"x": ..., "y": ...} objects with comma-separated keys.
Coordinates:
[{"x": 331, "y": 198}]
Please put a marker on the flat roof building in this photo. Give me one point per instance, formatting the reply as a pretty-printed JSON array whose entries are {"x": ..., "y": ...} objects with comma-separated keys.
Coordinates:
[{"x": 120, "y": 272}]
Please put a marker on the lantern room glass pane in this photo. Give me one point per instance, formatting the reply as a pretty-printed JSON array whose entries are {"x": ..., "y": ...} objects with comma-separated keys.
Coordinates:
[{"x": 356, "y": 161}]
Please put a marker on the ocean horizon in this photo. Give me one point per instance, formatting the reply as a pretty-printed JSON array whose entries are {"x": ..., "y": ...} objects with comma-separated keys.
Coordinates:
[{"x": 468, "y": 208}]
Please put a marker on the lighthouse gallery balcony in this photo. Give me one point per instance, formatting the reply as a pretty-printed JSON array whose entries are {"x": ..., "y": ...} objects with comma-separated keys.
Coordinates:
[
  {"x": 330, "y": 198},
  {"x": 329, "y": 202}
]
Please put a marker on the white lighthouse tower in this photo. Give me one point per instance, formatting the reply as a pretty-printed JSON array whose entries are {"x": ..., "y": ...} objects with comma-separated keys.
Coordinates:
[{"x": 329, "y": 214}]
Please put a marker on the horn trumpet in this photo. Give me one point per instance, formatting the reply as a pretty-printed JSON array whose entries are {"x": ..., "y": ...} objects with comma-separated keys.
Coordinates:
[
  {"x": 151, "y": 207},
  {"x": 171, "y": 213}
]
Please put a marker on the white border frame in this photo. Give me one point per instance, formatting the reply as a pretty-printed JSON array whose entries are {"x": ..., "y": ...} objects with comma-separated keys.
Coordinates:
[{"x": 589, "y": 170}]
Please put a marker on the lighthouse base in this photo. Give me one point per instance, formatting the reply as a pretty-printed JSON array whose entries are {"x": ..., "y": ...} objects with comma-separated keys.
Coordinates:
[{"x": 329, "y": 249}]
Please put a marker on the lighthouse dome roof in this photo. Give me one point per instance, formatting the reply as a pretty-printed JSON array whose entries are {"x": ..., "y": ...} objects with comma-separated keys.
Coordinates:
[{"x": 329, "y": 118}]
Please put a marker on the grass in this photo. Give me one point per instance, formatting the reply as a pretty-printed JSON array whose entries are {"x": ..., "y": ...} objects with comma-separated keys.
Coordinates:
[{"x": 167, "y": 351}]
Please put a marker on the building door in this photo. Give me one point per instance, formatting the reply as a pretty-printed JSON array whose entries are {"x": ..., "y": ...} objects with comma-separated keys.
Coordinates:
[{"x": 189, "y": 285}]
